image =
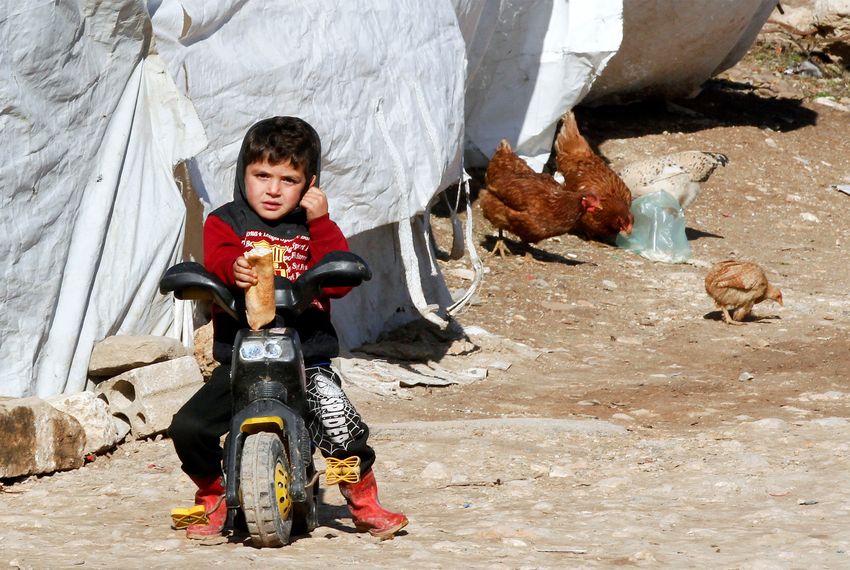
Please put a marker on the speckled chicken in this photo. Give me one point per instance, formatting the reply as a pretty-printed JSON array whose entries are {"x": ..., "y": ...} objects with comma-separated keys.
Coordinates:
[
  {"x": 681, "y": 174},
  {"x": 528, "y": 204},
  {"x": 738, "y": 286},
  {"x": 585, "y": 172}
]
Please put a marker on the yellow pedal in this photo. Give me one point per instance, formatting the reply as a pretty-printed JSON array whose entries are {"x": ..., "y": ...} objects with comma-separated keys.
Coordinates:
[
  {"x": 183, "y": 517},
  {"x": 342, "y": 470}
]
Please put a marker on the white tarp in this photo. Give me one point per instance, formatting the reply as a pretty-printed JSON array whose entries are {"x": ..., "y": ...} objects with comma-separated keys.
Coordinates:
[
  {"x": 671, "y": 47},
  {"x": 102, "y": 97},
  {"x": 90, "y": 211},
  {"x": 382, "y": 83},
  {"x": 533, "y": 61}
]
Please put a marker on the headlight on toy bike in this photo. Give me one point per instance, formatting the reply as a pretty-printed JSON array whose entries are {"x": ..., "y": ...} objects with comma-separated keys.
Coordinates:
[{"x": 265, "y": 349}]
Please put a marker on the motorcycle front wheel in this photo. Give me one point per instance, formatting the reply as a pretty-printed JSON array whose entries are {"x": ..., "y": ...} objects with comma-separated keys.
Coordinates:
[{"x": 264, "y": 489}]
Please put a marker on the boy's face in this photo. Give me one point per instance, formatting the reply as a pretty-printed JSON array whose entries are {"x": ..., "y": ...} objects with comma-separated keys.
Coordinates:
[{"x": 274, "y": 190}]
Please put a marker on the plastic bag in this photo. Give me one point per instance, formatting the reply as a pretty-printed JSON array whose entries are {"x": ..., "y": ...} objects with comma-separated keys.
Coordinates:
[{"x": 658, "y": 233}]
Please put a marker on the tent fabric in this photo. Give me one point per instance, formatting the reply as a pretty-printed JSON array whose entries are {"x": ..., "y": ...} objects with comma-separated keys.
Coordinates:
[
  {"x": 382, "y": 83},
  {"x": 531, "y": 62},
  {"x": 102, "y": 99},
  {"x": 670, "y": 48},
  {"x": 132, "y": 209},
  {"x": 89, "y": 204}
]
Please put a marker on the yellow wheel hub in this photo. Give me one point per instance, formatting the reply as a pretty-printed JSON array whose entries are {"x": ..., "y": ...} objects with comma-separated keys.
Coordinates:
[{"x": 281, "y": 491}]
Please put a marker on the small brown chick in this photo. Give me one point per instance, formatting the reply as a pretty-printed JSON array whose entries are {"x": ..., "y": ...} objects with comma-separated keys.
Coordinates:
[{"x": 739, "y": 285}]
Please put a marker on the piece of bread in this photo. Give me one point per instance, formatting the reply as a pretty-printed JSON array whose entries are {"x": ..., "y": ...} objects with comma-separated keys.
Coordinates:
[{"x": 259, "y": 298}]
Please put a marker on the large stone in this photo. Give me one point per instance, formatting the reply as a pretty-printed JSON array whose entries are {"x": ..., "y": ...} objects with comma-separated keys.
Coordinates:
[
  {"x": 116, "y": 354},
  {"x": 37, "y": 438},
  {"x": 103, "y": 431},
  {"x": 831, "y": 9},
  {"x": 203, "y": 349},
  {"x": 146, "y": 398}
]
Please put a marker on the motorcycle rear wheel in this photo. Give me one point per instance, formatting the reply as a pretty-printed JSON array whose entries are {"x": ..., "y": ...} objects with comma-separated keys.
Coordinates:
[{"x": 264, "y": 489}]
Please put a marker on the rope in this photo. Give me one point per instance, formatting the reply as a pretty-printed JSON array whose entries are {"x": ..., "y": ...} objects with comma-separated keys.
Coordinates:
[
  {"x": 477, "y": 264},
  {"x": 405, "y": 231}
]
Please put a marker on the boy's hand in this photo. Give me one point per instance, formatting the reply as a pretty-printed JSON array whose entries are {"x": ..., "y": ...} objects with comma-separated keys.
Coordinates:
[
  {"x": 243, "y": 273},
  {"x": 315, "y": 202}
]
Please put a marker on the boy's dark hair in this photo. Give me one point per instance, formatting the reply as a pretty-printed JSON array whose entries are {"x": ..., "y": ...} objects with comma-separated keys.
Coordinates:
[{"x": 282, "y": 139}]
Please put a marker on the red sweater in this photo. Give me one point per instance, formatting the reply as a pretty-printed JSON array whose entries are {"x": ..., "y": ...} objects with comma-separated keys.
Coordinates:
[
  {"x": 292, "y": 256},
  {"x": 296, "y": 246}
]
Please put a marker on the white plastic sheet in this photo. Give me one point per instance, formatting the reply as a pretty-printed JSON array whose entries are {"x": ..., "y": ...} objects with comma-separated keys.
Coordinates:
[
  {"x": 531, "y": 62},
  {"x": 90, "y": 211},
  {"x": 671, "y": 47},
  {"x": 381, "y": 82}
]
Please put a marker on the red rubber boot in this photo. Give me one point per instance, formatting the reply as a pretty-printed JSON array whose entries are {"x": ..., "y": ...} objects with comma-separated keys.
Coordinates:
[
  {"x": 368, "y": 514},
  {"x": 210, "y": 493}
]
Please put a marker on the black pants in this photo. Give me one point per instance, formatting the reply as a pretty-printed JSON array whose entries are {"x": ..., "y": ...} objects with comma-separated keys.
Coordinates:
[{"x": 335, "y": 426}]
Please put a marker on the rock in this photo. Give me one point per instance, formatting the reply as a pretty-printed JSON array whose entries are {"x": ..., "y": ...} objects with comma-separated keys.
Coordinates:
[
  {"x": 460, "y": 347},
  {"x": 458, "y": 294},
  {"x": 146, "y": 398},
  {"x": 500, "y": 364},
  {"x": 435, "y": 470},
  {"x": 462, "y": 273},
  {"x": 754, "y": 461},
  {"x": 799, "y": 17},
  {"x": 612, "y": 482},
  {"x": 37, "y": 438},
  {"x": 830, "y": 422},
  {"x": 203, "y": 340},
  {"x": 560, "y": 471},
  {"x": 832, "y": 103},
  {"x": 825, "y": 396},
  {"x": 809, "y": 217},
  {"x": 116, "y": 354},
  {"x": 769, "y": 424},
  {"x": 642, "y": 556},
  {"x": 642, "y": 413},
  {"x": 544, "y": 507},
  {"x": 102, "y": 430},
  {"x": 669, "y": 521}
]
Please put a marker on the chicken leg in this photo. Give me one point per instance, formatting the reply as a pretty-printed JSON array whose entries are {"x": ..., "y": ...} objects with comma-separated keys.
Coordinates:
[
  {"x": 741, "y": 313},
  {"x": 728, "y": 319},
  {"x": 500, "y": 248}
]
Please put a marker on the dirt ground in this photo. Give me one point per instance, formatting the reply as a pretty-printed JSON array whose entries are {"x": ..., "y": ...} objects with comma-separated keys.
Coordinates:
[{"x": 621, "y": 423}]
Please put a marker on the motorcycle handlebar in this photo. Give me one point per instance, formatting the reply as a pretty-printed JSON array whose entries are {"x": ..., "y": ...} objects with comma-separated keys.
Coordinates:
[{"x": 189, "y": 280}]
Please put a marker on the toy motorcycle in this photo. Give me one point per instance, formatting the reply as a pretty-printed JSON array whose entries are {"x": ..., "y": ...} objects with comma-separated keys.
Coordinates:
[{"x": 271, "y": 482}]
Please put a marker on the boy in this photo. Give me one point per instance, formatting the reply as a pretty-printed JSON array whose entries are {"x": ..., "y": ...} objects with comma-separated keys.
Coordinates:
[{"x": 276, "y": 205}]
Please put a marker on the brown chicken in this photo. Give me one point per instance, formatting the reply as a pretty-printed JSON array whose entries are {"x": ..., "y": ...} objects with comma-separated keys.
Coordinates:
[
  {"x": 738, "y": 285},
  {"x": 530, "y": 205},
  {"x": 584, "y": 171}
]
